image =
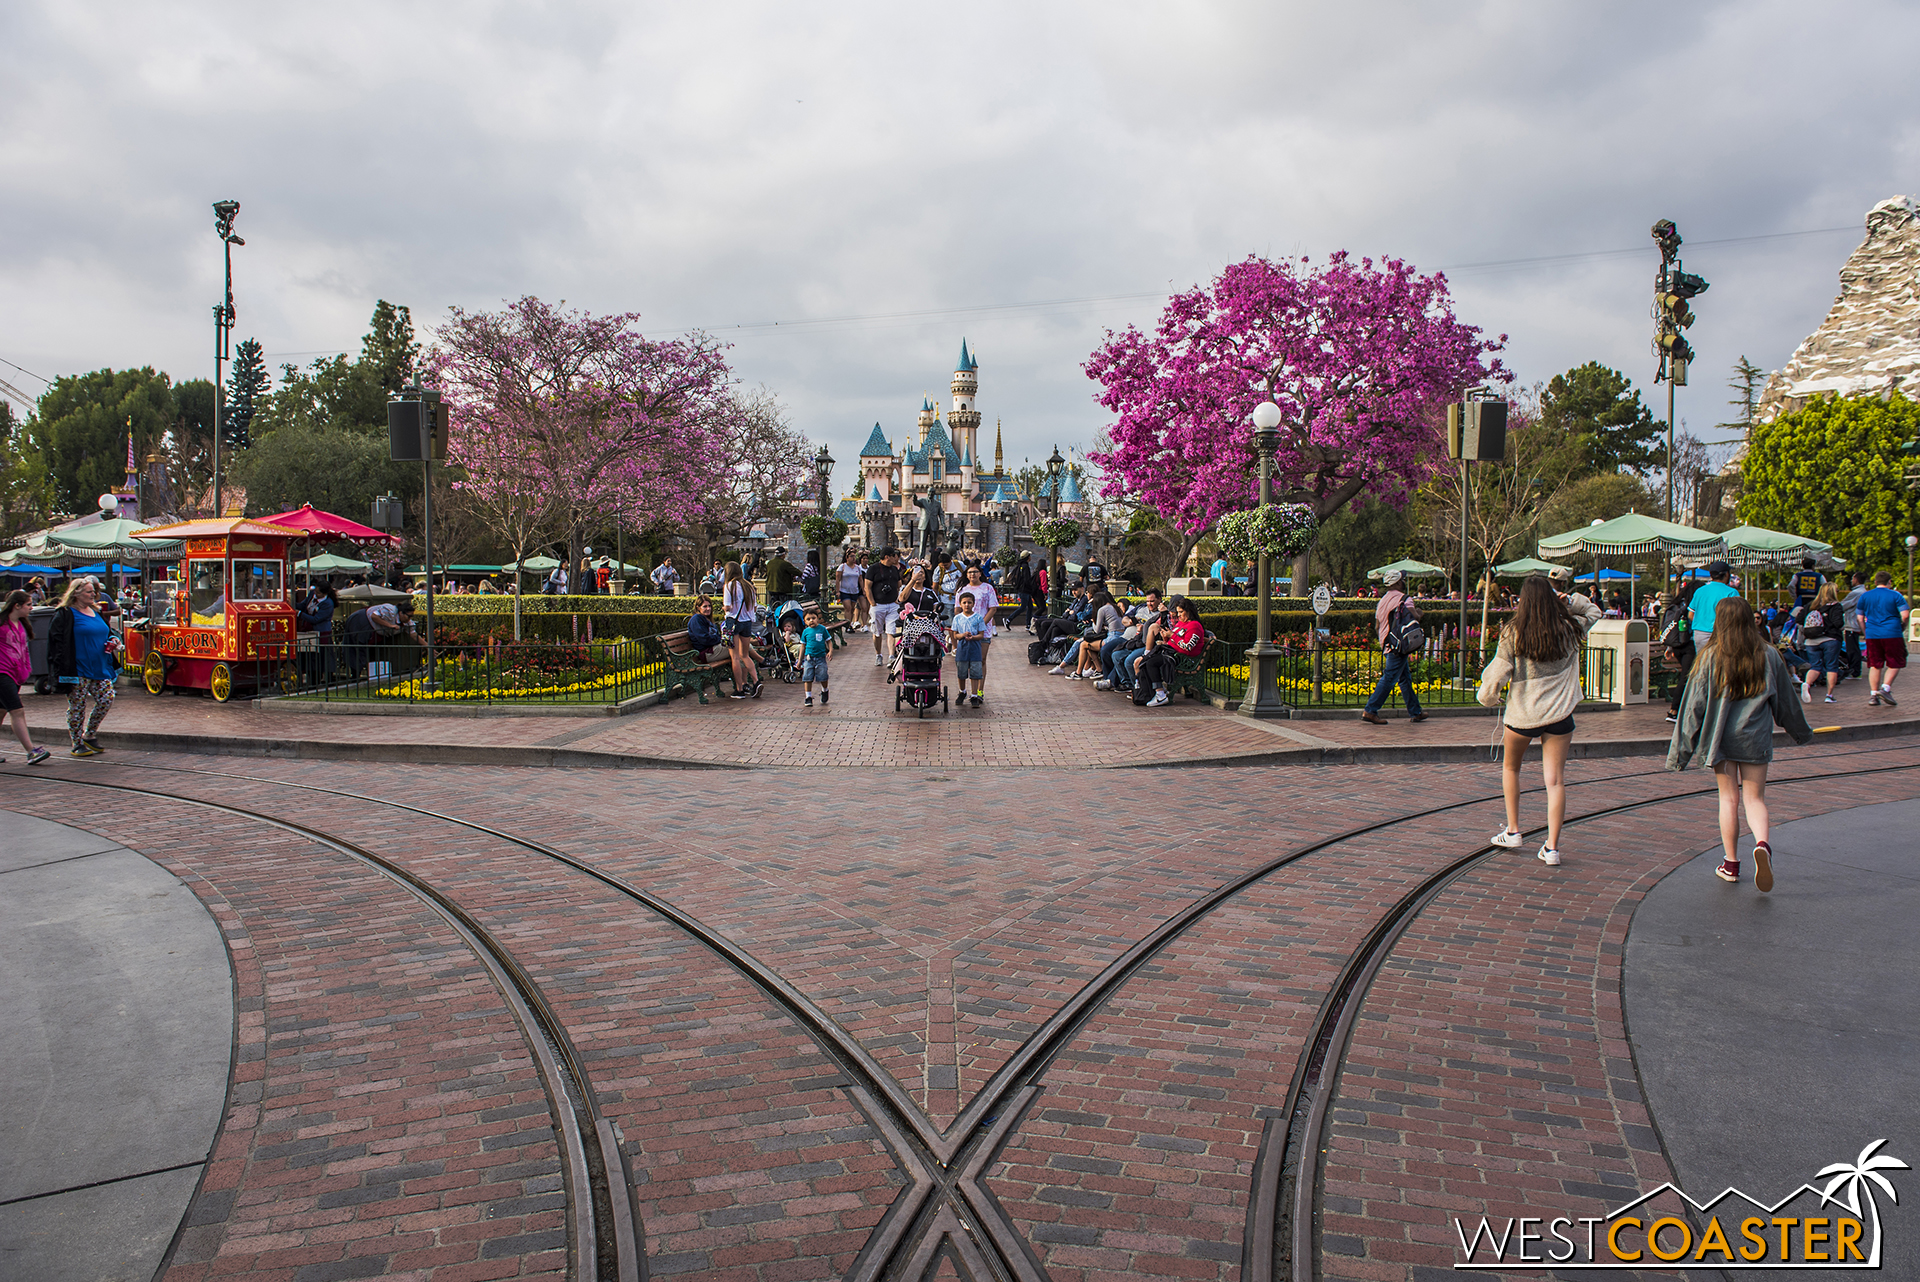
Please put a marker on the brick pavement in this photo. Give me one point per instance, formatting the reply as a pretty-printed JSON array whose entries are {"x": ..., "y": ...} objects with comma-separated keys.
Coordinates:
[
  {"x": 937, "y": 939},
  {"x": 1029, "y": 719}
]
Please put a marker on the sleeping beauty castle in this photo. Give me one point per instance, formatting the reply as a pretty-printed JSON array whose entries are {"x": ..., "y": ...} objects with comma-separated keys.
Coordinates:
[{"x": 977, "y": 506}]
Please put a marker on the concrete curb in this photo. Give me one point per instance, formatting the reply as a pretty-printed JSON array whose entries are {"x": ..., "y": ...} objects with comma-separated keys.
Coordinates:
[
  {"x": 396, "y": 753},
  {"x": 1414, "y": 754}
]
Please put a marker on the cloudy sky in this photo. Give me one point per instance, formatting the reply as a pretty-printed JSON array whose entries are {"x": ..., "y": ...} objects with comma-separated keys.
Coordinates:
[{"x": 844, "y": 191}]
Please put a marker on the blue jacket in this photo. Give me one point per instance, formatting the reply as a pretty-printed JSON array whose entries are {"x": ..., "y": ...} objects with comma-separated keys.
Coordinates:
[{"x": 703, "y": 633}]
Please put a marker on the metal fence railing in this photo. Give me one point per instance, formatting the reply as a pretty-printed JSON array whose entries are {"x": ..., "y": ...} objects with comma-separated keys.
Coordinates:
[
  {"x": 1345, "y": 678},
  {"x": 523, "y": 673}
]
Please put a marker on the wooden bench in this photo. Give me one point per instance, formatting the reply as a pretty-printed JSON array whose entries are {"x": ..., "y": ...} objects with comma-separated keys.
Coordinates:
[{"x": 685, "y": 671}]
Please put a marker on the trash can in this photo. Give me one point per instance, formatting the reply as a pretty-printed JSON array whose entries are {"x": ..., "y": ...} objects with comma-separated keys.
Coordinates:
[
  {"x": 1617, "y": 661},
  {"x": 40, "y": 623}
]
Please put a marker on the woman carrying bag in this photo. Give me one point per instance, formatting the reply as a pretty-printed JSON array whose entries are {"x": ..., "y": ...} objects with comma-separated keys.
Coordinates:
[
  {"x": 1539, "y": 652},
  {"x": 741, "y": 613},
  {"x": 1740, "y": 690},
  {"x": 83, "y": 656}
]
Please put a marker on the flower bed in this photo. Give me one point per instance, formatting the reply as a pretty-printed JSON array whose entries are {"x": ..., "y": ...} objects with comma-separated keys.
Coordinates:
[{"x": 567, "y": 674}]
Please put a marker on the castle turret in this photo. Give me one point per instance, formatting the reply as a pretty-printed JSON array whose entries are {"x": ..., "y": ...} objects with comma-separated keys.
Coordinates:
[
  {"x": 928, "y": 417},
  {"x": 963, "y": 420}
]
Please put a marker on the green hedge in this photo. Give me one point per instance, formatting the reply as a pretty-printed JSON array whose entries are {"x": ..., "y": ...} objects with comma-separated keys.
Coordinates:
[
  {"x": 1241, "y": 625},
  {"x": 530, "y": 604},
  {"x": 466, "y": 626}
]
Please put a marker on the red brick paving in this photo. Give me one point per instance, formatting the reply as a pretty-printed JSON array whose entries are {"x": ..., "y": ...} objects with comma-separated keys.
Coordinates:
[{"x": 939, "y": 919}]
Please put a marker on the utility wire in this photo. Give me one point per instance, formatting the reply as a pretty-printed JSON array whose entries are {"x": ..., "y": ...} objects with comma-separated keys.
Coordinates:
[
  {"x": 24, "y": 370},
  {"x": 802, "y": 325}
]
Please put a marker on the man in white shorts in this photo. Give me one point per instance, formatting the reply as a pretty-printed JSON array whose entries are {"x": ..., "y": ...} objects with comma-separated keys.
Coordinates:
[{"x": 883, "y": 595}]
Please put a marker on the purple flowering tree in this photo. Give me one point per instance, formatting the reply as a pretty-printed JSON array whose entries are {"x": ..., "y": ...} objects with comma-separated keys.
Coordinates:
[
  {"x": 561, "y": 418},
  {"x": 1361, "y": 359}
]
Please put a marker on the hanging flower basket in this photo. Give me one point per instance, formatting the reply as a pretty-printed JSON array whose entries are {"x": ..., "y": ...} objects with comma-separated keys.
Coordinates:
[
  {"x": 1281, "y": 530},
  {"x": 1056, "y": 532},
  {"x": 823, "y": 531}
]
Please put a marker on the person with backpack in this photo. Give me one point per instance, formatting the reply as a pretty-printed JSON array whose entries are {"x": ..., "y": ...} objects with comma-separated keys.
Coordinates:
[
  {"x": 1821, "y": 627},
  {"x": 1740, "y": 691},
  {"x": 1676, "y": 634},
  {"x": 1397, "y": 621},
  {"x": 1850, "y": 644},
  {"x": 1539, "y": 654}
]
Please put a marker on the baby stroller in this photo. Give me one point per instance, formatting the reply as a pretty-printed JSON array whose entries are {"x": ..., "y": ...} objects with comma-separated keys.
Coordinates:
[
  {"x": 920, "y": 653},
  {"x": 781, "y": 644}
]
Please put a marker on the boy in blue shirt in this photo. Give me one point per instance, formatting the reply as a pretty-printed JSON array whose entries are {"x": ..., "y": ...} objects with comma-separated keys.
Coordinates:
[
  {"x": 1882, "y": 615},
  {"x": 815, "y": 641},
  {"x": 968, "y": 632}
]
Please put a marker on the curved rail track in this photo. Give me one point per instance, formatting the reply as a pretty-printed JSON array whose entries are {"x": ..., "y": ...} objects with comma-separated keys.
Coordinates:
[{"x": 946, "y": 1207}]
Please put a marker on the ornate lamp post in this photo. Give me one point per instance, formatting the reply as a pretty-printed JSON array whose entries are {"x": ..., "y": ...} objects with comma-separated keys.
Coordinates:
[
  {"x": 823, "y": 478},
  {"x": 1912, "y": 543},
  {"x": 1055, "y": 593},
  {"x": 1262, "y": 698},
  {"x": 224, "y": 212}
]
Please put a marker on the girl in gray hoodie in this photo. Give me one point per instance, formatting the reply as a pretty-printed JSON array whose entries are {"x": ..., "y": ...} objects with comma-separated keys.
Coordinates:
[{"x": 1739, "y": 691}]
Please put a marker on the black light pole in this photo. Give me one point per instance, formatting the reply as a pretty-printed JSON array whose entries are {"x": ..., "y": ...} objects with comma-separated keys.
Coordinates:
[
  {"x": 224, "y": 212},
  {"x": 823, "y": 477},
  {"x": 1262, "y": 698},
  {"x": 1056, "y": 606}
]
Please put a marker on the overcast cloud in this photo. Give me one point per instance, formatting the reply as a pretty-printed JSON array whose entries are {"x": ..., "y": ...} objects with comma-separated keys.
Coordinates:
[{"x": 733, "y": 164}]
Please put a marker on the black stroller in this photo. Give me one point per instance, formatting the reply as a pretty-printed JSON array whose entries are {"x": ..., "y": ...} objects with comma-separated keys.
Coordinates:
[{"x": 920, "y": 656}]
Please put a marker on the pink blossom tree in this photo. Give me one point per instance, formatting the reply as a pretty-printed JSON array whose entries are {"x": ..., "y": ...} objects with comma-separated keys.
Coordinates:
[
  {"x": 561, "y": 418},
  {"x": 1359, "y": 357}
]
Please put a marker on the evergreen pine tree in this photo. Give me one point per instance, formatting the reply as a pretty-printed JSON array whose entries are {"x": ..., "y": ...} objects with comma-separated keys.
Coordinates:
[
  {"x": 248, "y": 383},
  {"x": 1746, "y": 383},
  {"x": 388, "y": 352}
]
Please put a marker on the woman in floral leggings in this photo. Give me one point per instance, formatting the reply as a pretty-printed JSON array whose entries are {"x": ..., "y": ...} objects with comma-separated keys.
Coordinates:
[{"x": 82, "y": 655}]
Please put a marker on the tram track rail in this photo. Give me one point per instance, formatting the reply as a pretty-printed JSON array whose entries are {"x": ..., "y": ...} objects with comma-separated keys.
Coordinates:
[{"x": 946, "y": 1207}]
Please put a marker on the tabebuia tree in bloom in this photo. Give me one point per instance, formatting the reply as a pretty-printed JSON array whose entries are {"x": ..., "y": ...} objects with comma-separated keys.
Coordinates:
[
  {"x": 562, "y": 418},
  {"x": 1360, "y": 357}
]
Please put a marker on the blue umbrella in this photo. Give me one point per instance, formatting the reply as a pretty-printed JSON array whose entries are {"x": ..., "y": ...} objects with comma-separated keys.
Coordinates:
[{"x": 1605, "y": 575}]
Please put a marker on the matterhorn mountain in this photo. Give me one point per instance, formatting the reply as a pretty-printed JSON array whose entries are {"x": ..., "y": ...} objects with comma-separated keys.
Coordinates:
[{"x": 1870, "y": 340}]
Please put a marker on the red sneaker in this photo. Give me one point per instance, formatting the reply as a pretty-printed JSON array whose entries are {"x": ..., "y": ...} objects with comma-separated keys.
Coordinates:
[
  {"x": 1729, "y": 870},
  {"x": 1762, "y": 866}
]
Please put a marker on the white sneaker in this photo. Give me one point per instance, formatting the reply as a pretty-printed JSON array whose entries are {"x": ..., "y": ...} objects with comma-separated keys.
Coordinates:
[
  {"x": 1103, "y": 684},
  {"x": 879, "y": 660},
  {"x": 1505, "y": 838},
  {"x": 1159, "y": 697},
  {"x": 1056, "y": 669},
  {"x": 1806, "y": 694},
  {"x": 1549, "y": 856},
  {"x": 1076, "y": 676}
]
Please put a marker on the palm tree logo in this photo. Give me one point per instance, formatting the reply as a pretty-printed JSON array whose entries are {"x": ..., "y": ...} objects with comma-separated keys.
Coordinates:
[{"x": 1854, "y": 1177}]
